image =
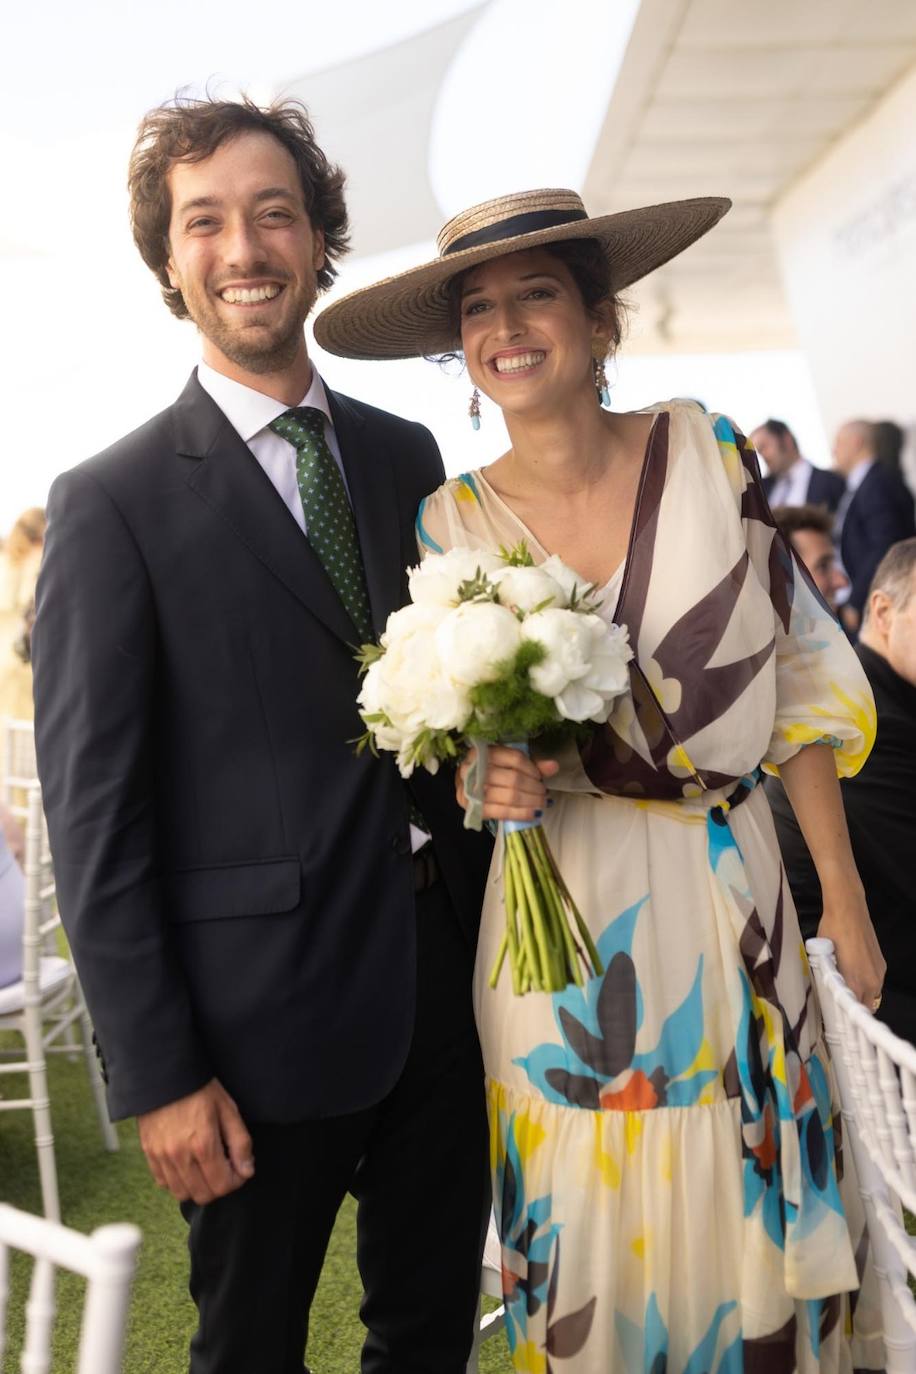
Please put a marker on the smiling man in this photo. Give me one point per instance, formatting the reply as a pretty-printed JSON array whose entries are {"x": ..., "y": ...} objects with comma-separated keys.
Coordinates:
[{"x": 276, "y": 954}]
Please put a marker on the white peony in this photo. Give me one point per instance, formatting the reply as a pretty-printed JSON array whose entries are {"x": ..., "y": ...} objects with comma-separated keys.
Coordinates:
[
  {"x": 585, "y": 667},
  {"x": 407, "y": 683},
  {"x": 568, "y": 579},
  {"x": 475, "y": 639},
  {"x": 524, "y": 588},
  {"x": 437, "y": 579},
  {"x": 568, "y": 640}
]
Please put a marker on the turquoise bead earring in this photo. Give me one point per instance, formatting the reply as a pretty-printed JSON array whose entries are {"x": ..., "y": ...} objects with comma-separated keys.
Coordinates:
[{"x": 474, "y": 409}]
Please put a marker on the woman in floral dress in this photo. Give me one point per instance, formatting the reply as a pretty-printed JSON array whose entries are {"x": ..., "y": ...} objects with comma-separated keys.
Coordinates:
[{"x": 668, "y": 1180}]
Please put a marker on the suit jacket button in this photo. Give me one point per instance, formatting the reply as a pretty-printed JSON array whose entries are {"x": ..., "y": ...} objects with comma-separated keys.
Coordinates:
[{"x": 400, "y": 843}]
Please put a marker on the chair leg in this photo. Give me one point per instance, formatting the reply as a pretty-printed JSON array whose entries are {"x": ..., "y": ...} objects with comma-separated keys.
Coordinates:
[
  {"x": 109, "y": 1134},
  {"x": 44, "y": 1139}
]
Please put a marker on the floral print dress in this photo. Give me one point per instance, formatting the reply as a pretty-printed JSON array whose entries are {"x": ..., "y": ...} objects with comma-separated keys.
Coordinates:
[{"x": 668, "y": 1179}]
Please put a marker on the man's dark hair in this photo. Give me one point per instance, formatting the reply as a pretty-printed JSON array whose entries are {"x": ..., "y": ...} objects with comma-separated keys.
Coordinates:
[
  {"x": 779, "y": 430},
  {"x": 894, "y": 575},
  {"x": 791, "y": 519},
  {"x": 190, "y": 130}
]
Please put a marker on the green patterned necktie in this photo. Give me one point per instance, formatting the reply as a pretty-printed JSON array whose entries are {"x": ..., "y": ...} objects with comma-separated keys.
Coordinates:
[{"x": 329, "y": 519}]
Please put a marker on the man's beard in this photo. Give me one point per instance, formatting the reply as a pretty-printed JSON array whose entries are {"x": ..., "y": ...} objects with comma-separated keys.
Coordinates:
[
  {"x": 258, "y": 356},
  {"x": 272, "y": 355}
]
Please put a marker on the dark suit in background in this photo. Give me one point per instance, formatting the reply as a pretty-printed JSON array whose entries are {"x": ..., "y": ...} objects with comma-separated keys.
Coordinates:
[
  {"x": 824, "y": 488},
  {"x": 238, "y": 887},
  {"x": 878, "y": 514},
  {"x": 880, "y": 804}
]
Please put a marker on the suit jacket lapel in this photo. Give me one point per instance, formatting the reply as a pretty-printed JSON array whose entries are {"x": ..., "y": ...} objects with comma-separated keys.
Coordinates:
[
  {"x": 228, "y": 477},
  {"x": 374, "y": 494}
]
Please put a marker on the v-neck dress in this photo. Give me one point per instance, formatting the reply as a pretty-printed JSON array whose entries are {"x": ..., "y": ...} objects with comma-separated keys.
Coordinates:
[{"x": 668, "y": 1179}]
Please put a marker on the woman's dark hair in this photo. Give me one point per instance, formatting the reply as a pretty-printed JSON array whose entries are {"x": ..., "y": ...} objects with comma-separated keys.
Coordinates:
[
  {"x": 589, "y": 268},
  {"x": 189, "y": 130}
]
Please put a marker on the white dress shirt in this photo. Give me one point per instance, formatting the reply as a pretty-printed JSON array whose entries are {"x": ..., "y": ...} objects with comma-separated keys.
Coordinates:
[
  {"x": 791, "y": 489},
  {"x": 250, "y": 412}
]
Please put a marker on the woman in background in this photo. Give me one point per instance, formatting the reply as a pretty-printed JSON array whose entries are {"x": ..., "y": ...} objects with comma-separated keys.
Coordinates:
[{"x": 20, "y": 558}]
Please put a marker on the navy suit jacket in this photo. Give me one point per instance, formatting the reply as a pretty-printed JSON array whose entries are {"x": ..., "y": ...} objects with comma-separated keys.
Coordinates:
[
  {"x": 236, "y": 885},
  {"x": 879, "y": 514},
  {"x": 824, "y": 488}
]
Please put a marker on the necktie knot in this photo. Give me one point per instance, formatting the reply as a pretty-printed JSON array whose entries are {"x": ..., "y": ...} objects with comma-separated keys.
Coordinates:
[{"x": 299, "y": 425}]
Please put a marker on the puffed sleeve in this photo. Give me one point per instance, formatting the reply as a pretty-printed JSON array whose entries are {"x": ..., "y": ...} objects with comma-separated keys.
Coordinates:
[
  {"x": 456, "y": 516},
  {"x": 822, "y": 693}
]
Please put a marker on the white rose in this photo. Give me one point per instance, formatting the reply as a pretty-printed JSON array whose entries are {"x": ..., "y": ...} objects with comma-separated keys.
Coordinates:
[
  {"x": 475, "y": 639},
  {"x": 524, "y": 588},
  {"x": 568, "y": 579},
  {"x": 568, "y": 639},
  {"x": 436, "y": 581}
]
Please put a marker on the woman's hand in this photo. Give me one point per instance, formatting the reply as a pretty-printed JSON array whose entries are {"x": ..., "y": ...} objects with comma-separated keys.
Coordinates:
[
  {"x": 514, "y": 788},
  {"x": 847, "y": 923}
]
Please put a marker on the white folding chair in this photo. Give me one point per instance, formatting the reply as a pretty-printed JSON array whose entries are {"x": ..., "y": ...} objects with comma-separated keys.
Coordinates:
[
  {"x": 876, "y": 1078},
  {"x": 43, "y": 1007},
  {"x": 18, "y": 768},
  {"x": 106, "y": 1259},
  {"x": 491, "y": 1286}
]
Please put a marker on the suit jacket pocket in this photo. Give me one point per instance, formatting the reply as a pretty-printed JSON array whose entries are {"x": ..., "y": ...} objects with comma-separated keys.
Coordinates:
[{"x": 259, "y": 887}]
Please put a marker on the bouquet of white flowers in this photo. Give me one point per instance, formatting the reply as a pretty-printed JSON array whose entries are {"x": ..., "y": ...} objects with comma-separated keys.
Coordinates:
[{"x": 493, "y": 649}]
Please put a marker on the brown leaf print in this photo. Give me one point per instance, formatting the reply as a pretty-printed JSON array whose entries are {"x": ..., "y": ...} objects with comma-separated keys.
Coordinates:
[
  {"x": 771, "y": 1354},
  {"x": 567, "y": 1335}
]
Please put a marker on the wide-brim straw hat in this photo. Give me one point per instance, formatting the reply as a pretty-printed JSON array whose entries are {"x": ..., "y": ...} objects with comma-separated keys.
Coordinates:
[{"x": 409, "y": 315}]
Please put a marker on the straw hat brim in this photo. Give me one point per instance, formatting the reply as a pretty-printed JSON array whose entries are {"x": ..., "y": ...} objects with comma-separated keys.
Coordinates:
[{"x": 407, "y": 316}]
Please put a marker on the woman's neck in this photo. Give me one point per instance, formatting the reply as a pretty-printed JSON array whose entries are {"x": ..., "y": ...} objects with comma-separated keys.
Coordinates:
[{"x": 564, "y": 452}]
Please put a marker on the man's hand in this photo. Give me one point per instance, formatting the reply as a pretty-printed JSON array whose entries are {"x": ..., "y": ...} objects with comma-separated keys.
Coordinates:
[{"x": 198, "y": 1147}]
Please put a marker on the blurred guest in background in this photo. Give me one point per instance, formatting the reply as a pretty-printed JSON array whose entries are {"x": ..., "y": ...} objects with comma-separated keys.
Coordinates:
[
  {"x": 792, "y": 480},
  {"x": 875, "y": 512},
  {"x": 880, "y": 801},
  {"x": 889, "y": 439},
  {"x": 19, "y": 561},
  {"x": 809, "y": 529}
]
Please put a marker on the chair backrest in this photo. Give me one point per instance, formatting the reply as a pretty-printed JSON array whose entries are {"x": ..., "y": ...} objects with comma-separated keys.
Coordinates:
[
  {"x": 18, "y": 767},
  {"x": 41, "y": 917},
  {"x": 876, "y": 1078},
  {"x": 106, "y": 1259}
]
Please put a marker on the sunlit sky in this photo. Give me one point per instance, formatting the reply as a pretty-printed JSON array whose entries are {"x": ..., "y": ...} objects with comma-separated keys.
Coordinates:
[{"x": 89, "y": 351}]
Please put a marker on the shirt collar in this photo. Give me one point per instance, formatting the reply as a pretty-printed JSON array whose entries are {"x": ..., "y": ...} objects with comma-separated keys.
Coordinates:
[
  {"x": 859, "y": 474},
  {"x": 249, "y": 411}
]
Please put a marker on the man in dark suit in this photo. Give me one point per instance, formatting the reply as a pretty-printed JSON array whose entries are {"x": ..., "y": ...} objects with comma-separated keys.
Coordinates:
[
  {"x": 791, "y": 480},
  {"x": 880, "y": 801},
  {"x": 876, "y": 512},
  {"x": 276, "y": 956}
]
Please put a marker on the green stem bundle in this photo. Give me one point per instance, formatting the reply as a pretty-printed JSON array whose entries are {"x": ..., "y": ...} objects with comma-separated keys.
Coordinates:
[{"x": 547, "y": 942}]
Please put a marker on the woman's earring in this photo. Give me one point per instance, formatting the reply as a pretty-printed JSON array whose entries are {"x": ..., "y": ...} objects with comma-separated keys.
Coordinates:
[
  {"x": 474, "y": 409},
  {"x": 601, "y": 386}
]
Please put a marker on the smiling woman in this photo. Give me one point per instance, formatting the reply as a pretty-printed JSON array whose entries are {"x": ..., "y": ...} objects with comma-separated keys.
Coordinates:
[{"x": 663, "y": 1140}]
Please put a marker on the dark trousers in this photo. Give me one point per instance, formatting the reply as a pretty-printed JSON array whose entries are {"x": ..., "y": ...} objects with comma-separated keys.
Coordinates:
[{"x": 417, "y": 1164}]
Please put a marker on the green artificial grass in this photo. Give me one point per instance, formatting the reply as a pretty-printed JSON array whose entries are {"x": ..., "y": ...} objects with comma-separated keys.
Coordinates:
[{"x": 97, "y": 1187}]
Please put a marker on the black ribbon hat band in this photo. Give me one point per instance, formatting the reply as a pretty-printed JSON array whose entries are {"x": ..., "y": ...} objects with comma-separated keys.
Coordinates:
[{"x": 526, "y": 223}]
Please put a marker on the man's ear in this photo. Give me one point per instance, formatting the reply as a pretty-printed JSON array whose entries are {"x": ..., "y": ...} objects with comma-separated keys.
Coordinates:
[
  {"x": 319, "y": 257},
  {"x": 170, "y": 272},
  {"x": 881, "y": 611}
]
